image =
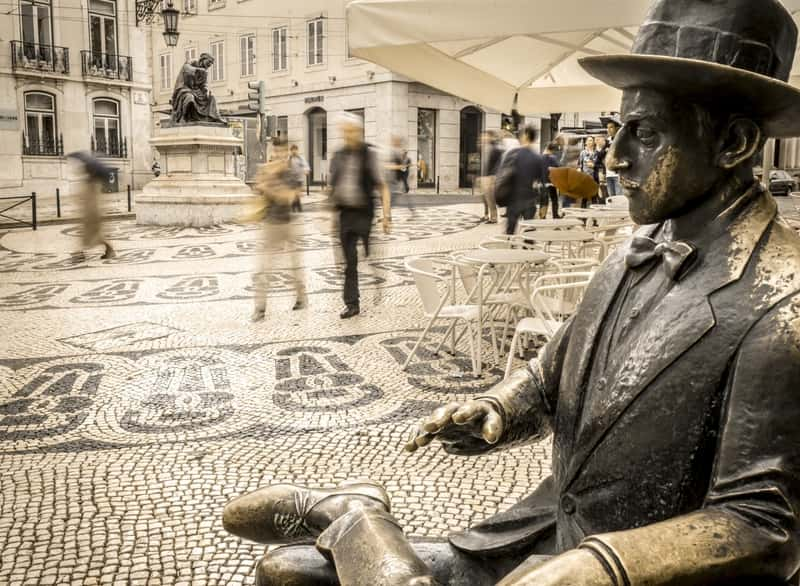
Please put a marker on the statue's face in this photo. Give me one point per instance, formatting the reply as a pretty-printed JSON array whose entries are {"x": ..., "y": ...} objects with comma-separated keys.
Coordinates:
[{"x": 664, "y": 155}]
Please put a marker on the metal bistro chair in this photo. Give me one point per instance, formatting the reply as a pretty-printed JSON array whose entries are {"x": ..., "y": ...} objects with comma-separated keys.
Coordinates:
[
  {"x": 435, "y": 290},
  {"x": 554, "y": 298}
]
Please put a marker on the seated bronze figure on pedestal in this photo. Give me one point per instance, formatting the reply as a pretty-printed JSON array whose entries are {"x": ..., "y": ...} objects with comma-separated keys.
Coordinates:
[
  {"x": 192, "y": 101},
  {"x": 673, "y": 393}
]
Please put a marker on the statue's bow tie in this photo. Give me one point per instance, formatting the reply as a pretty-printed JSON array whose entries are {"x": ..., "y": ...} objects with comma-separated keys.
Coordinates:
[{"x": 676, "y": 255}]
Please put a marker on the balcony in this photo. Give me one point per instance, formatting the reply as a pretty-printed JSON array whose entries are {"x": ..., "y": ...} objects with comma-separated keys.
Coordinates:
[
  {"x": 41, "y": 58},
  {"x": 47, "y": 147},
  {"x": 106, "y": 66},
  {"x": 112, "y": 148}
]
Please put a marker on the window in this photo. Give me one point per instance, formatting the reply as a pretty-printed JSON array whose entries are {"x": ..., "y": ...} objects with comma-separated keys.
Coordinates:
[
  {"x": 282, "y": 127},
  {"x": 103, "y": 36},
  {"x": 36, "y": 25},
  {"x": 36, "y": 31},
  {"x": 247, "y": 55},
  {"x": 190, "y": 54},
  {"x": 426, "y": 146},
  {"x": 190, "y": 6},
  {"x": 40, "y": 124},
  {"x": 106, "y": 128},
  {"x": 279, "y": 49},
  {"x": 165, "y": 61},
  {"x": 360, "y": 113},
  {"x": 316, "y": 37},
  {"x": 218, "y": 53}
]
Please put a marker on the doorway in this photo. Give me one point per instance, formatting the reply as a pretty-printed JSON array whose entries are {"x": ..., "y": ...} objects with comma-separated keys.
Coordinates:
[
  {"x": 318, "y": 144},
  {"x": 469, "y": 163}
]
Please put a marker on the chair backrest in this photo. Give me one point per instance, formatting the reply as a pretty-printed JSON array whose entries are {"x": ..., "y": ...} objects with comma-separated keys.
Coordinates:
[
  {"x": 555, "y": 296},
  {"x": 468, "y": 273},
  {"x": 427, "y": 281}
]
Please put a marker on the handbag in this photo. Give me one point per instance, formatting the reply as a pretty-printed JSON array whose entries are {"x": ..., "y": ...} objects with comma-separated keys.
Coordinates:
[{"x": 504, "y": 184}]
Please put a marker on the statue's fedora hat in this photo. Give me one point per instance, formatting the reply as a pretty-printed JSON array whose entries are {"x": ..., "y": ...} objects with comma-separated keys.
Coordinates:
[{"x": 719, "y": 51}]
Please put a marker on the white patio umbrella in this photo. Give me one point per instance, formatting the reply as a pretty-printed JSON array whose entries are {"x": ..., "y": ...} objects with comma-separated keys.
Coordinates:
[{"x": 489, "y": 51}]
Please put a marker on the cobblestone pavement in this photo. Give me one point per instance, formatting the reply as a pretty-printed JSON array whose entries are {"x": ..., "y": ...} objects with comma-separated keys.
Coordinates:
[{"x": 136, "y": 398}]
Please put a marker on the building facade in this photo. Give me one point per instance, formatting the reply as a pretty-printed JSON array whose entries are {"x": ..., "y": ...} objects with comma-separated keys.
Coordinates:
[
  {"x": 299, "y": 48},
  {"x": 74, "y": 75}
]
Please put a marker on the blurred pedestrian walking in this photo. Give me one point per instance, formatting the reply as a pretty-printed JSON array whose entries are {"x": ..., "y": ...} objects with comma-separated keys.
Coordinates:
[
  {"x": 397, "y": 174},
  {"x": 90, "y": 192},
  {"x": 493, "y": 154},
  {"x": 522, "y": 174},
  {"x": 299, "y": 173},
  {"x": 551, "y": 160},
  {"x": 275, "y": 184},
  {"x": 612, "y": 178},
  {"x": 355, "y": 176},
  {"x": 600, "y": 170},
  {"x": 586, "y": 163}
]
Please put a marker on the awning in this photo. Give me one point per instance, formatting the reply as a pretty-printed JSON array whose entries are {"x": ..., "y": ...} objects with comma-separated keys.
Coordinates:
[{"x": 489, "y": 51}]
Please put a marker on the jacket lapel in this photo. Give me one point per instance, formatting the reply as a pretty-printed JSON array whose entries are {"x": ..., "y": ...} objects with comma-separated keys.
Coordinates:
[
  {"x": 590, "y": 317},
  {"x": 681, "y": 318}
]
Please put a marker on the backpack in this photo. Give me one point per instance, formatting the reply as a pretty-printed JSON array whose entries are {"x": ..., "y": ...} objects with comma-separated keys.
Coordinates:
[{"x": 504, "y": 182}]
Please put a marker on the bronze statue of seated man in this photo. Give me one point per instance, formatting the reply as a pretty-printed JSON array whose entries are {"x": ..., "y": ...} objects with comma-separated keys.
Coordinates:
[{"x": 673, "y": 393}]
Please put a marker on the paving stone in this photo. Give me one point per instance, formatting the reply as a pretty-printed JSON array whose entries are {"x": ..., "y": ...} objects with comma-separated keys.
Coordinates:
[{"x": 136, "y": 398}]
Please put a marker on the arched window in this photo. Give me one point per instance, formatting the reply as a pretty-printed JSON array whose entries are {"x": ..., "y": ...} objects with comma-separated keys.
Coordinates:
[
  {"x": 41, "y": 131},
  {"x": 107, "y": 139}
]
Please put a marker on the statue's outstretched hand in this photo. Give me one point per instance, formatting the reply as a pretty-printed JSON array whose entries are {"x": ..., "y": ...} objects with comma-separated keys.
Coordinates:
[{"x": 462, "y": 428}]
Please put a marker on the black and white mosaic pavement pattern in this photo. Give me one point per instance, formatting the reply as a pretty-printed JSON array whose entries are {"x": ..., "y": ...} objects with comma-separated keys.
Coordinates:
[{"x": 136, "y": 398}]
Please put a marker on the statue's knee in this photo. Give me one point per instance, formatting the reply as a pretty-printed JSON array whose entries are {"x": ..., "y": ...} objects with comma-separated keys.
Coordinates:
[
  {"x": 295, "y": 566},
  {"x": 271, "y": 571}
]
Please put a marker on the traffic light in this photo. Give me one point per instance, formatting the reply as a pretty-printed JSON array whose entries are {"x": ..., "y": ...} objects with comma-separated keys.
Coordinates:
[{"x": 257, "y": 100}]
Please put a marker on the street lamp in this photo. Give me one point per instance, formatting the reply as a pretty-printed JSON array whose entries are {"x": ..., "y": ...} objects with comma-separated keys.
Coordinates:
[
  {"x": 146, "y": 12},
  {"x": 170, "y": 16}
]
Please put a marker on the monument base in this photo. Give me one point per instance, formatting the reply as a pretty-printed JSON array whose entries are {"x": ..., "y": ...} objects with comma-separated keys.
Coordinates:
[{"x": 198, "y": 185}]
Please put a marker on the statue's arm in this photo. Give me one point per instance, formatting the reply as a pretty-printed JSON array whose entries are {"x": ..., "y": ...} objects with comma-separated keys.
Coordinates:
[
  {"x": 748, "y": 530},
  {"x": 527, "y": 399}
]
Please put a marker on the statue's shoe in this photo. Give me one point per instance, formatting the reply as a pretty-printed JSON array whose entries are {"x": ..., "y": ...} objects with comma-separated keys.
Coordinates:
[{"x": 284, "y": 513}]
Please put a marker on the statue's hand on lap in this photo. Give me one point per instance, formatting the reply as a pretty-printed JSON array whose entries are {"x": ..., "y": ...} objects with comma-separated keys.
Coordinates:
[{"x": 462, "y": 428}]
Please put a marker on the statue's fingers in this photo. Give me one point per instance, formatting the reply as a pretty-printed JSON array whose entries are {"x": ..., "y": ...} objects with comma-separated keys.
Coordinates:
[
  {"x": 469, "y": 412},
  {"x": 440, "y": 417},
  {"x": 492, "y": 427}
]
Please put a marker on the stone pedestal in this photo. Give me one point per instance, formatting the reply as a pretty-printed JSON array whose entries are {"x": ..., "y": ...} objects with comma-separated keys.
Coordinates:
[{"x": 198, "y": 185}]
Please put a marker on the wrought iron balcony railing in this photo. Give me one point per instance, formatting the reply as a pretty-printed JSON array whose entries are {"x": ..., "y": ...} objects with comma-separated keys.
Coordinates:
[
  {"x": 36, "y": 57},
  {"x": 48, "y": 147},
  {"x": 106, "y": 65},
  {"x": 114, "y": 148}
]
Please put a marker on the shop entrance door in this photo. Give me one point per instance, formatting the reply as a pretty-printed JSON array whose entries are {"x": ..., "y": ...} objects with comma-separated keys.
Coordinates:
[{"x": 469, "y": 163}]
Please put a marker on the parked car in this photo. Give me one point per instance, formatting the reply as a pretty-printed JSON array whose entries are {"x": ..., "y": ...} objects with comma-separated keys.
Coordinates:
[{"x": 781, "y": 183}]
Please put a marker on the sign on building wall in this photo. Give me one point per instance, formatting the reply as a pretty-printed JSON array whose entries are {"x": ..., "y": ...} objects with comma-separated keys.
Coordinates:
[
  {"x": 9, "y": 120},
  {"x": 314, "y": 99}
]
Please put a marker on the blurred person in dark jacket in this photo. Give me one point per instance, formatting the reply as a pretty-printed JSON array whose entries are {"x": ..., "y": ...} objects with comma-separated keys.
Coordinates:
[{"x": 355, "y": 176}]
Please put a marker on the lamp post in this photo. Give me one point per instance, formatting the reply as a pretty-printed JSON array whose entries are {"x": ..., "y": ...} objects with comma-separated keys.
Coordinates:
[{"x": 146, "y": 12}]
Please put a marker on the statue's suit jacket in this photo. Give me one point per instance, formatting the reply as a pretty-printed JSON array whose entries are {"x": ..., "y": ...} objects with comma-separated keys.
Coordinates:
[{"x": 690, "y": 464}]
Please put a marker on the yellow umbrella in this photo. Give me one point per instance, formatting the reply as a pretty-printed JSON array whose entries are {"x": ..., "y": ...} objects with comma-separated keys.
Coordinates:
[{"x": 573, "y": 183}]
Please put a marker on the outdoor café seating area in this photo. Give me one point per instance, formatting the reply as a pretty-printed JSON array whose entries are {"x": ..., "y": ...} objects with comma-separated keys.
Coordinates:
[{"x": 495, "y": 301}]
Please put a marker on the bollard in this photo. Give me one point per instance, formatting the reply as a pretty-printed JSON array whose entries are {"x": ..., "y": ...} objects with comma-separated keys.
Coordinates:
[
  {"x": 308, "y": 185},
  {"x": 58, "y": 202},
  {"x": 129, "y": 197},
  {"x": 437, "y": 185},
  {"x": 33, "y": 209}
]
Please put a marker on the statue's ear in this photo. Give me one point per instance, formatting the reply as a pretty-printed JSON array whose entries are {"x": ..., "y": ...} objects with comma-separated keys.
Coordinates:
[{"x": 740, "y": 142}]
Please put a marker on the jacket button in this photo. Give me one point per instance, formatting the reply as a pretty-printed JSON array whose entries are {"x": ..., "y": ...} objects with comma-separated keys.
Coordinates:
[{"x": 568, "y": 504}]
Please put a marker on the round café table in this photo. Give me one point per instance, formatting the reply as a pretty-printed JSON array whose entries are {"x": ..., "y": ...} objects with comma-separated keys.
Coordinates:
[
  {"x": 512, "y": 261},
  {"x": 551, "y": 224},
  {"x": 572, "y": 241}
]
